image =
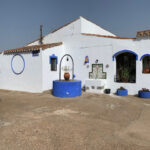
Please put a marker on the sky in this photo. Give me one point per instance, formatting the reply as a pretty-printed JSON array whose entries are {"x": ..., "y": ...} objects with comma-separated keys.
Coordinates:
[{"x": 20, "y": 20}]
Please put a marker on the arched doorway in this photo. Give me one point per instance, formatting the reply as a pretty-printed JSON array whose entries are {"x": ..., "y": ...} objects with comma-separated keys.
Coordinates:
[{"x": 126, "y": 66}]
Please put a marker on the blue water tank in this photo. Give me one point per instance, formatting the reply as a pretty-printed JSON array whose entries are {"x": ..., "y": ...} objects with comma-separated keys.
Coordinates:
[{"x": 67, "y": 88}]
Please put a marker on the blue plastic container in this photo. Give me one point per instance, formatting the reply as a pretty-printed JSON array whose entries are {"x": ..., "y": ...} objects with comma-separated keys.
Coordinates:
[
  {"x": 122, "y": 92},
  {"x": 67, "y": 88},
  {"x": 145, "y": 94}
]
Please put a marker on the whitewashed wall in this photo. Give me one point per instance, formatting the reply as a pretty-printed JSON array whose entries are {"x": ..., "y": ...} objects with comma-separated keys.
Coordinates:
[
  {"x": 89, "y": 27},
  {"x": 80, "y": 25},
  {"x": 79, "y": 46},
  {"x": 47, "y": 75},
  {"x": 29, "y": 80},
  {"x": 96, "y": 48},
  {"x": 38, "y": 77},
  {"x": 103, "y": 49},
  {"x": 68, "y": 31}
]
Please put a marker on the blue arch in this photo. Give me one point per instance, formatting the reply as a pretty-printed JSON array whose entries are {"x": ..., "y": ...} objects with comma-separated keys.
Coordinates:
[
  {"x": 124, "y": 51},
  {"x": 144, "y": 56}
]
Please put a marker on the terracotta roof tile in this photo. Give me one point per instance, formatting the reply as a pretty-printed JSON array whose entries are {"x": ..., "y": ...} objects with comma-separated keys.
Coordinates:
[
  {"x": 107, "y": 36},
  {"x": 32, "y": 48},
  {"x": 143, "y": 33}
]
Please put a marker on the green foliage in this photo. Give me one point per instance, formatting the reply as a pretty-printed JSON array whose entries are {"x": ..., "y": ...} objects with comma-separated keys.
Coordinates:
[
  {"x": 125, "y": 74},
  {"x": 121, "y": 88},
  {"x": 145, "y": 90}
]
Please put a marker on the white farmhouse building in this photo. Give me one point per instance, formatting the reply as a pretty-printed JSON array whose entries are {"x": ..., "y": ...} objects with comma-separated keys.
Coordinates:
[{"x": 101, "y": 60}]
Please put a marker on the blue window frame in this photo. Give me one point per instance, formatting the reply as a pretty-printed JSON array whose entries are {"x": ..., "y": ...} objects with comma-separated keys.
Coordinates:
[
  {"x": 35, "y": 53},
  {"x": 53, "y": 60},
  {"x": 146, "y": 63}
]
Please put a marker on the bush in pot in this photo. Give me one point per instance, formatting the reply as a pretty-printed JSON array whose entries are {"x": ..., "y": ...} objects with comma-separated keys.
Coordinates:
[
  {"x": 122, "y": 91},
  {"x": 144, "y": 93}
]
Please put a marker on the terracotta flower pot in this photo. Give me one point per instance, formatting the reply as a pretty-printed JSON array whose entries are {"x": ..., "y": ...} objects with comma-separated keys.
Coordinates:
[
  {"x": 66, "y": 76},
  {"x": 146, "y": 70}
]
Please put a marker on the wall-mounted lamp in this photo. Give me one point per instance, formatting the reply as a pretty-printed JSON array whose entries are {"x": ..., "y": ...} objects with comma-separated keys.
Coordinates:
[
  {"x": 107, "y": 66},
  {"x": 96, "y": 61}
]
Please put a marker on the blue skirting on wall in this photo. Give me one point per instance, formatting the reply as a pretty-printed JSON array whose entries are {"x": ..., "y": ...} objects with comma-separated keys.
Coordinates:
[
  {"x": 67, "y": 88},
  {"x": 122, "y": 92}
]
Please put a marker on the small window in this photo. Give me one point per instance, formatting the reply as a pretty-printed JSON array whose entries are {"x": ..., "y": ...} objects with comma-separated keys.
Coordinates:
[
  {"x": 35, "y": 53},
  {"x": 146, "y": 64},
  {"x": 53, "y": 64}
]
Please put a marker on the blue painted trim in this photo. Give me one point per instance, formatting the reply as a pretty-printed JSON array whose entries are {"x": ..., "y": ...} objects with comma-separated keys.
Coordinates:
[
  {"x": 17, "y": 73},
  {"x": 74, "y": 76},
  {"x": 124, "y": 51},
  {"x": 53, "y": 56},
  {"x": 144, "y": 56}
]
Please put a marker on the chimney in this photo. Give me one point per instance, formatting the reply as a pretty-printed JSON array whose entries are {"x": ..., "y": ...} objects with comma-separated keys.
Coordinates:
[{"x": 41, "y": 34}]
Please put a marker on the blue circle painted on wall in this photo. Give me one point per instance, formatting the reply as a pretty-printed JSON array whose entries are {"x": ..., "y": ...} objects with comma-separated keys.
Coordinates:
[{"x": 17, "y": 64}]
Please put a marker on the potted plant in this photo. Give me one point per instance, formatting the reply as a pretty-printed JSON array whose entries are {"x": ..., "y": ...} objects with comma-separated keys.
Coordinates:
[
  {"x": 122, "y": 91},
  {"x": 107, "y": 91},
  {"x": 146, "y": 70},
  {"x": 144, "y": 93}
]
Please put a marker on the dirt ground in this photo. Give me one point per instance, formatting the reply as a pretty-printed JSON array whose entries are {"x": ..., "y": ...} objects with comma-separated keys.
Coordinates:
[{"x": 90, "y": 122}]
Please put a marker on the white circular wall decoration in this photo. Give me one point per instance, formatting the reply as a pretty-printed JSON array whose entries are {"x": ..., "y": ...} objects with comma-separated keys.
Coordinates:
[{"x": 17, "y": 64}]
